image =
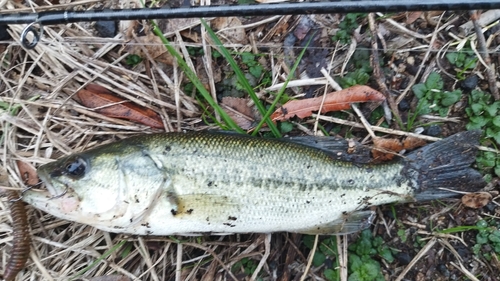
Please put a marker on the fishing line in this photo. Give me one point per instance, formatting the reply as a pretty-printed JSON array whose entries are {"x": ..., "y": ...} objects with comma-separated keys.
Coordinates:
[{"x": 333, "y": 6}]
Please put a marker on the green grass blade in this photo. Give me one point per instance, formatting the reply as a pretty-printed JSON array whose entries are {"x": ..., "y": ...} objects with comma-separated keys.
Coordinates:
[
  {"x": 282, "y": 90},
  {"x": 242, "y": 80},
  {"x": 194, "y": 79},
  {"x": 105, "y": 255}
]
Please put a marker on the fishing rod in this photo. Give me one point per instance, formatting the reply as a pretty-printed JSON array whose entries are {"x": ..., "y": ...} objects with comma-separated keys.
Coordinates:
[{"x": 333, "y": 6}]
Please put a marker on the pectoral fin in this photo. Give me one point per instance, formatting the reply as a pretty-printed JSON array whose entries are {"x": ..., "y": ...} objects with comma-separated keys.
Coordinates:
[{"x": 350, "y": 223}]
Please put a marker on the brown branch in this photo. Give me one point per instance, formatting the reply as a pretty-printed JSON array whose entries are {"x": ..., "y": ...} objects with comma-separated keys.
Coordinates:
[
  {"x": 490, "y": 71},
  {"x": 377, "y": 71}
]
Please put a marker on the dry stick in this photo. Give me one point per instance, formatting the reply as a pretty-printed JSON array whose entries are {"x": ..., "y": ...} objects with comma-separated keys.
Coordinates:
[
  {"x": 310, "y": 259},
  {"x": 424, "y": 60},
  {"x": 490, "y": 70},
  {"x": 342, "y": 252},
  {"x": 465, "y": 271},
  {"x": 178, "y": 266},
  {"x": 214, "y": 255},
  {"x": 147, "y": 258},
  {"x": 267, "y": 247},
  {"x": 419, "y": 255},
  {"x": 44, "y": 272},
  {"x": 377, "y": 71}
]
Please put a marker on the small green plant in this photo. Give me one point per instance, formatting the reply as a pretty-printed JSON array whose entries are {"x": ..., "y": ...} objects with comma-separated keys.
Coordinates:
[
  {"x": 195, "y": 51},
  {"x": 133, "y": 60},
  {"x": 483, "y": 115},
  {"x": 346, "y": 27},
  {"x": 362, "y": 265},
  {"x": 327, "y": 249},
  {"x": 357, "y": 77},
  {"x": 487, "y": 239},
  {"x": 253, "y": 65},
  {"x": 246, "y": 264},
  {"x": 465, "y": 60},
  {"x": 362, "y": 253},
  {"x": 432, "y": 98}
]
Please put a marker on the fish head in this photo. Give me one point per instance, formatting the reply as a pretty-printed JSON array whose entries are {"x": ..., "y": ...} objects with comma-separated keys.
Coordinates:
[{"x": 96, "y": 187}]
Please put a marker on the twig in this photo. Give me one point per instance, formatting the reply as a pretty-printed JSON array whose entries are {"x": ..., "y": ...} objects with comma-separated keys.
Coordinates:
[
  {"x": 485, "y": 19},
  {"x": 467, "y": 273},
  {"x": 267, "y": 247},
  {"x": 342, "y": 251},
  {"x": 178, "y": 264},
  {"x": 378, "y": 74},
  {"x": 424, "y": 60},
  {"x": 310, "y": 259},
  {"x": 419, "y": 255},
  {"x": 490, "y": 71}
]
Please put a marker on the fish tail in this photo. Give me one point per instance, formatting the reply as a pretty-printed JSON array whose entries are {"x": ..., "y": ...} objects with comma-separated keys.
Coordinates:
[{"x": 438, "y": 169}]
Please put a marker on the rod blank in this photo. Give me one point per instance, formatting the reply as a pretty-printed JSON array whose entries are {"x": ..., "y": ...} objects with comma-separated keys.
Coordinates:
[{"x": 334, "y": 6}]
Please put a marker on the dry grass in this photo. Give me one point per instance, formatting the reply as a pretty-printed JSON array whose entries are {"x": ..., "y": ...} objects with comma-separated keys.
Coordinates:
[{"x": 51, "y": 123}]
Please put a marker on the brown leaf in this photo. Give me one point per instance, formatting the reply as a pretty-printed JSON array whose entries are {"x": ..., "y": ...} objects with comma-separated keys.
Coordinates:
[
  {"x": 476, "y": 200},
  {"x": 231, "y": 28},
  {"x": 153, "y": 45},
  {"x": 28, "y": 173},
  {"x": 412, "y": 16},
  {"x": 95, "y": 96},
  {"x": 333, "y": 102},
  {"x": 239, "y": 111},
  {"x": 385, "y": 149}
]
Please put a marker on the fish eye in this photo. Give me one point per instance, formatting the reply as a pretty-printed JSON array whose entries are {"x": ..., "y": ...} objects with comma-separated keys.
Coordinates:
[{"x": 75, "y": 167}]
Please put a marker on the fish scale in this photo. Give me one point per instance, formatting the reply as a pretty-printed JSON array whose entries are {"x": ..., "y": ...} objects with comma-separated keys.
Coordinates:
[{"x": 220, "y": 183}]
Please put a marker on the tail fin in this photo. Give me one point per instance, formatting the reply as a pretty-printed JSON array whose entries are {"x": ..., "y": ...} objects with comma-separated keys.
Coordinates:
[{"x": 445, "y": 165}]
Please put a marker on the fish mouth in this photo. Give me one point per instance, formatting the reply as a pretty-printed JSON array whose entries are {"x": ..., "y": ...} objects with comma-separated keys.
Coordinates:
[{"x": 52, "y": 190}]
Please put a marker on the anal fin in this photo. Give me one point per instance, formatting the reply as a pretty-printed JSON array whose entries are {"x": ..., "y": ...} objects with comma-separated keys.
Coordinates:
[{"x": 350, "y": 223}]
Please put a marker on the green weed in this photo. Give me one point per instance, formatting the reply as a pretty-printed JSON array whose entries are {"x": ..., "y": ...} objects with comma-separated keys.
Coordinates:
[
  {"x": 487, "y": 239},
  {"x": 483, "y": 115},
  {"x": 347, "y": 26},
  {"x": 363, "y": 265},
  {"x": 432, "y": 98},
  {"x": 133, "y": 60},
  {"x": 357, "y": 77},
  {"x": 246, "y": 264},
  {"x": 465, "y": 60}
]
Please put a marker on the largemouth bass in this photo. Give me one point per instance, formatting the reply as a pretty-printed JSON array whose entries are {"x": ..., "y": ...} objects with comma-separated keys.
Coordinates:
[{"x": 216, "y": 183}]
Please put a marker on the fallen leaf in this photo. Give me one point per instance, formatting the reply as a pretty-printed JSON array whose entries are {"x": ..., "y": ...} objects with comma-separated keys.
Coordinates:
[
  {"x": 385, "y": 149},
  {"x": 412, "y": 16},
  {"x": 153, "y": 45},
  {"x": 28, "y": 173},
  {"x": 238, "y": 109},
  {"x": 231, "y": 28},
  {"x": 476, "y": 200},
  {"x": 334, "y": 101},
  {"x": 95, "y": 96}
]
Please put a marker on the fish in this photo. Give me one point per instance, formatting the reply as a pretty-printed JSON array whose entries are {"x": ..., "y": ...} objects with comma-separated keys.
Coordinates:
[{"x": 215, "y": 183}]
